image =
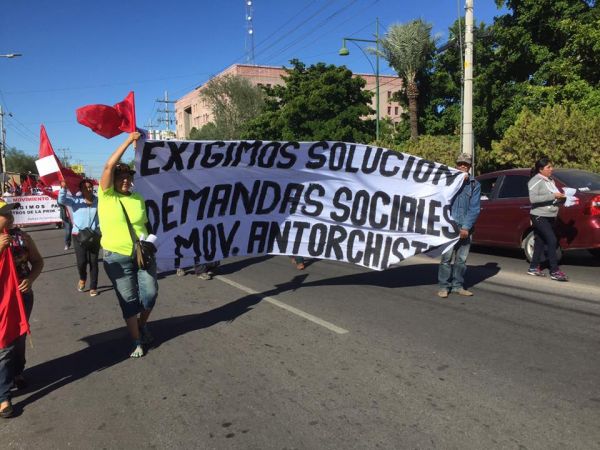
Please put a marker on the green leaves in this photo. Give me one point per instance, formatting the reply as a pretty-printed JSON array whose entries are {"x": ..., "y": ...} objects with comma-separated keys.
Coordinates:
[
  {"x": 319, "y": 102},
  {"x": 19, "y": 161},
  {"x": 234, "y": 101},
  {"x": 566, "y": 134}
]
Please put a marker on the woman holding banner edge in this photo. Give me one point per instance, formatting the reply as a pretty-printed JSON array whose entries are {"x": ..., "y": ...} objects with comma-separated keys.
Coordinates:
[{"x": 123, "y": 213}]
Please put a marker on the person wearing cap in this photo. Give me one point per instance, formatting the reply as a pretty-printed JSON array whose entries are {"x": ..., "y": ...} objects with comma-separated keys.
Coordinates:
[
  {"x": 465, "y": 210},
  {"x": 84, "y": 211},
  {"x": 28, "y": 266},
  {"x": 136, "y": 288}
]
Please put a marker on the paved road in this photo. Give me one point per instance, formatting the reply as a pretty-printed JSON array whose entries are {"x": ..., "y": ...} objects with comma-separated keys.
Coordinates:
[{"x": 336, "y": 357}]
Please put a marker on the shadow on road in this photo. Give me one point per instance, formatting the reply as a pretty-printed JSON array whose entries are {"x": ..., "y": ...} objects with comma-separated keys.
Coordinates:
[
  {"x": 571, "y": 257},
  {"x": 406, "y": 276},
  {"x": 112, "y": 347},
  {"x": 236, "y": 266}
]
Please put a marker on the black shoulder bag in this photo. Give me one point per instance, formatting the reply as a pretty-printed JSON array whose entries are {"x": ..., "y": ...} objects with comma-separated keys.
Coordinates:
[
  {"x": 88, "y": 238},
  {"x": 143, "y": 251}
]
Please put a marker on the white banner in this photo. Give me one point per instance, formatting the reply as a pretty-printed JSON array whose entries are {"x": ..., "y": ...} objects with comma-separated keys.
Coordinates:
[
  {"x": 365, "y": 205},
  {"x": 35, "y": 209}
]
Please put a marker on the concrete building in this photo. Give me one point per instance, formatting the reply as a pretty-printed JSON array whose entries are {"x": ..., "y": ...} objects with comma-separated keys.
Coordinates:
[{"x": 191, "y": 111}]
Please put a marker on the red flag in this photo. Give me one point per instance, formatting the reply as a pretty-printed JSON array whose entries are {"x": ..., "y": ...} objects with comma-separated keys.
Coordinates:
[
  {"x": 26, "y": 187},
  {"x": 13, "y": 321},
  {"x": 51, "y": 170},
  {"x": 109, "y": 121}
]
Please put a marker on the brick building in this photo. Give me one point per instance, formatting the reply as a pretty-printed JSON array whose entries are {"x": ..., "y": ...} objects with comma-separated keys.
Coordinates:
[{"x": 191, "y": 111}]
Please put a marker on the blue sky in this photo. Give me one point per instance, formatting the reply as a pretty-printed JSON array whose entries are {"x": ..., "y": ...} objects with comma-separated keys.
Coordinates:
[{"x": 78, "y": 52}]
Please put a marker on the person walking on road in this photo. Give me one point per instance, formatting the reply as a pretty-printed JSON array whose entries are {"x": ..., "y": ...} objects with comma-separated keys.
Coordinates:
[
  {"x": 84, "y": 211},
  {"x": 545, "y": 199},
  {"x": 120, "y": 210},
  {"x": 465, "y": 210},
  {"x": 28, "y": 265}
]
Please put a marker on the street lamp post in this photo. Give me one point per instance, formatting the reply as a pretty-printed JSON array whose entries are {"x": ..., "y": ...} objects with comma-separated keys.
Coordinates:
[{"x": 345, "y": 52}]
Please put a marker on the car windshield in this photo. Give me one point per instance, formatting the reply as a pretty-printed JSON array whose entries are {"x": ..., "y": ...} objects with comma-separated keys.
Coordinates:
[{"x": 580, "y": 179}]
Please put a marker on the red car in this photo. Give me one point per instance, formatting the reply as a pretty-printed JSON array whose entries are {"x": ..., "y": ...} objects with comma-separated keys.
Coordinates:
[{"x": 504, "y": 218}]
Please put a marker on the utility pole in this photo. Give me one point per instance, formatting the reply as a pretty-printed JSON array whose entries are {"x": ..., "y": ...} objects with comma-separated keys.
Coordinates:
[
  {"x": 249, "y": 32},
  {"x": 167, "y": 120},
  {"x": 467, "y": 128},
  {"x": 66, "y": 157},
  {"x": 2, "y": 142},
  {"x": 152, "y": 130}
]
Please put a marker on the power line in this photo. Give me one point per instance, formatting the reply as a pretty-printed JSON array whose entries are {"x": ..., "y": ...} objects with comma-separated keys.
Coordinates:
[
  {"x": 331, "y": 30},
  {"x": 288, "y": 33},
  {"x": 315, "y": 28},
  {"x": 103, "y": 85}
]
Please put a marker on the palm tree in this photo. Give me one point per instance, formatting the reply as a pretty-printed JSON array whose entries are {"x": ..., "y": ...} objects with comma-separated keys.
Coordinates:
[{"x": 407, "y": 47}]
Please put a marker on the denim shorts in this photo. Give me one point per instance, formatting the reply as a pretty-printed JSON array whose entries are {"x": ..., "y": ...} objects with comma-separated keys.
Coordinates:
[{"x": 136, "y": 289}]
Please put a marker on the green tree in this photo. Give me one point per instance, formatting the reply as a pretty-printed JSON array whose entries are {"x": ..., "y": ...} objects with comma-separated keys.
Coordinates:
[
  {"x": 566, "y": 134},
  {"x": 206, "y": 133},
  {"x": 19, "y": 161},
  {"x": 233, "y": 101},
  {"x": 442, "y": 102},
  {"x": 547, "y": 52},
  {"x": 407, "y": 48},
  {"x": 319, "y": 102},
  {"x": 539, "y": 53},
  {"x": 441, "y": 149}
]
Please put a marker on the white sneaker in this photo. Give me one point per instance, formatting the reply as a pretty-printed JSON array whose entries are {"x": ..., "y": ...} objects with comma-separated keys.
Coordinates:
[
  {"x": 138, "y": 351},
  {"x": 180, "y": 272}
]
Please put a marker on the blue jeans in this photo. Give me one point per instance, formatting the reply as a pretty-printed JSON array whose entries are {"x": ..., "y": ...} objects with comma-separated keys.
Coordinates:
[
  {"x": 450, "y": 277},
  {"x": 136, "y": 289},
  {"x": 68, "y": 226},
  {"x": 7, "y": 371}
]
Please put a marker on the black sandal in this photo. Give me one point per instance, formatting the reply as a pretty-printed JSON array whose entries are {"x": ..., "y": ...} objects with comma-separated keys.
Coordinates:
[
  {"x": 7, "y": 412},
  {"x": 20, "y": 382}
]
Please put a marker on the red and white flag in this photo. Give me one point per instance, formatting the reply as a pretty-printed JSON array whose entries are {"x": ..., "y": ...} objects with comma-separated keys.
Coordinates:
[
  {"x": 109, "y": 121},
  {"x": 51, "y": 170}
]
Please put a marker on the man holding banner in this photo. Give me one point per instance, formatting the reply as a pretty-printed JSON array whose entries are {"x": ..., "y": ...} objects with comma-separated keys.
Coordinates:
[{"x": 465, "y": 210}]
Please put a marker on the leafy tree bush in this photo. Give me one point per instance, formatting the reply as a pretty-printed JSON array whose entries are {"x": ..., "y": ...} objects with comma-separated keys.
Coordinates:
[
  {"x": 233, "y": 101},
  {"x": 564, "y": 133},
  {"x": 319, "y": 102},
  {"x": 207, "y": 133},
  {"x": 19, "y": 161},
  {"x": 442, "y": 149}
]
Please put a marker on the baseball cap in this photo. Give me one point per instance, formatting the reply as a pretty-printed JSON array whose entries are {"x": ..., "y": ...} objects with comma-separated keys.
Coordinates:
[
  {"x": 6, "y": 208},
  {"x": 464, "y": 158},
  {"x": 122, "y": 167}
]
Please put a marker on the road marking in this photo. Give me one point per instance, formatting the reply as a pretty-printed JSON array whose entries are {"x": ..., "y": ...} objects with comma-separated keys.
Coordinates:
[{"x": 285, "y": 306}]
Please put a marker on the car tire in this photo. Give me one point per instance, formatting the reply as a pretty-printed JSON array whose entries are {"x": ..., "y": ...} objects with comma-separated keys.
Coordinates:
[
  {"x": 527, "y": 246},
  {"x": 595, "y": 252}
]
